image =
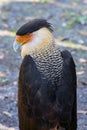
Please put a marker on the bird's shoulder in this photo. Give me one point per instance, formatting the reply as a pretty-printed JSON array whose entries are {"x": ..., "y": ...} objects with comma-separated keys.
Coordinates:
[
  {"x": 29, "y": 70},
  {"x": 67, "y": 58}
]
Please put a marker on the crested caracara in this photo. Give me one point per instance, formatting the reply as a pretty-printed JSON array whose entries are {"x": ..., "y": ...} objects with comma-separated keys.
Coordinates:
[{"x": 47, "y": 80}]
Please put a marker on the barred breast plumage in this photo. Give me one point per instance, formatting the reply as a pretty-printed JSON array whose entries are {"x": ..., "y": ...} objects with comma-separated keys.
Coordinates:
[{"x": 49, "y": 63}]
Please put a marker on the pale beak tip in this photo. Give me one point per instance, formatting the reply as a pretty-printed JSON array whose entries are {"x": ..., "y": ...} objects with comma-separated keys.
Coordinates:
[{"x": 16, "y": 46}]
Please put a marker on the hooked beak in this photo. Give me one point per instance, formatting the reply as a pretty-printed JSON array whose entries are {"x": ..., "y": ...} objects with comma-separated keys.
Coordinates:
[{"x": 16, "y": 46}]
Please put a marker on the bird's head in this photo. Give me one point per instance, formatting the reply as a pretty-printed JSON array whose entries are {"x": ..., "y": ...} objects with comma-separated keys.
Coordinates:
[{"x": 34, "y": 35}]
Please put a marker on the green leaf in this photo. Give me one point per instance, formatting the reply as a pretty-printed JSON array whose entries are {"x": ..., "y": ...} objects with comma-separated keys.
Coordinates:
[
  {"x": 44, "y": 1},
  {"x": 81, "y": 19}
]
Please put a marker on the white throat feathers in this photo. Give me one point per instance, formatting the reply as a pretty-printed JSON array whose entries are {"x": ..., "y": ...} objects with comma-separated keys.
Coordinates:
[
  {"x": 41, "y": 40},
  {"x": 46, "y": 55}
]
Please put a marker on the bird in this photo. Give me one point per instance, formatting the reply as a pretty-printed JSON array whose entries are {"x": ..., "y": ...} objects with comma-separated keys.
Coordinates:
[{"x": 47, "y": 83}]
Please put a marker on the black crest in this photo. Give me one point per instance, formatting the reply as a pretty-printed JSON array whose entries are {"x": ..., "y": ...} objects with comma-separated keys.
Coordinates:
[{"x": 32, "y": 26}]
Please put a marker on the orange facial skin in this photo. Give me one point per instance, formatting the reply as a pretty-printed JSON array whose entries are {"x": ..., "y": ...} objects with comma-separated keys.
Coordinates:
[{"x": 24, "y": 39}]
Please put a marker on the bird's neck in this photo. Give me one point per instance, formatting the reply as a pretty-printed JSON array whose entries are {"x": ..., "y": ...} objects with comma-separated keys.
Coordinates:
[
  {"x": 43, "y": 40},
  {"x": 45, "y": 54}
]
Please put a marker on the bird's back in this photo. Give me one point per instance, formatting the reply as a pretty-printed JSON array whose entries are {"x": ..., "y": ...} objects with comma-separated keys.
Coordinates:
[
  {"x": 41, "y": 76},
  {"x": 45, "y": 96}
]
